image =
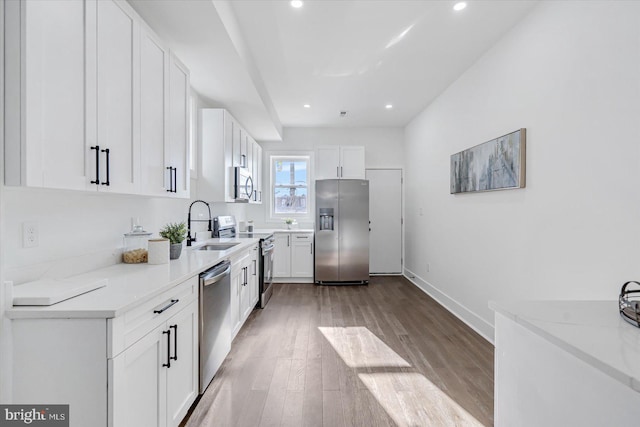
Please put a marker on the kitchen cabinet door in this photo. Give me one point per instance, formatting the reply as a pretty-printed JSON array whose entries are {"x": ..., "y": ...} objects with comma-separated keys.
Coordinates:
[
  {"x": 259, "y": 179},
  {"x": 282, "y": 255},
  {"x": 302, "y": 255},
  {"x": 352, "y": 162},
  {"x": 327, "y": 163},
  {"x": 182, "y": 376},
  {"x": 138, "y": 383},
  {"x": 45, "y": 143},
  {"x": 116, "y": 81},
  {"x": 340, "y": 162},
  {"x": 236, "y": 137},
  {"x": 177, "y": 152},
  {"x": 237, "y": 280},
  {"x": 254, "y": 277},
  {"x": 154, "y": 94},
  {"x": 215, "y": 163}
]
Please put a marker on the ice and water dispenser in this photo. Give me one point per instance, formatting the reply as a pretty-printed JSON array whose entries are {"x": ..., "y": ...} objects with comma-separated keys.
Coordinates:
[{"x": 326, "y": 218}]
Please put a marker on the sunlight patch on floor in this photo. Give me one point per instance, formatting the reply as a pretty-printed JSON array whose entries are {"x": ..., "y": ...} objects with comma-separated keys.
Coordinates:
[
  {"x": 409, "y": 398},
  {"x": 360, "y": 348}
]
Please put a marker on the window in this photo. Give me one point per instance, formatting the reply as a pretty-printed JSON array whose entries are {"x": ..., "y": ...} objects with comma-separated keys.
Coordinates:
[{"x": 290, "y": 180}]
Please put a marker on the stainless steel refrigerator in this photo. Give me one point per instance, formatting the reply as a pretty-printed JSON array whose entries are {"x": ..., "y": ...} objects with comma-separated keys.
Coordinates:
[{"x": 342, "y": 231}]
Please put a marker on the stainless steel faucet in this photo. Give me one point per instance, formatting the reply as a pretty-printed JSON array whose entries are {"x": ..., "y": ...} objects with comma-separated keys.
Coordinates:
[{"x": 189, "y": 238}]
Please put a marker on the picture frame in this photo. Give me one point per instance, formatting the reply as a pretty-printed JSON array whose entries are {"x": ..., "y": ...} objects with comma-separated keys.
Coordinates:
[{"x": 498, "y": 164}]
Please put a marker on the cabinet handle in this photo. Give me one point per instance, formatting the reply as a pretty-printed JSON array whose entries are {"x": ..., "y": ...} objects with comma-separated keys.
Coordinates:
[
  {"x": 337, "y": 171},
  {"x": 175, "y": 342},
  {"x": 243, "y": 160},
  {"x": 170, "y": 169},
  {"x": 168, "y": 364},
  {"x": 246, "y": 276},
  {"x": 311, "y": 248},
  {"x": 166, "y": 307},
  {"x": 107, "y": 152},
  {"x": 288, "y": 238},
  {"x": 175, "y": 180},
  {"x": 255, "y": 268},
  {"x": 341, "y": 174},
  {"x": 97, "y": 180}
]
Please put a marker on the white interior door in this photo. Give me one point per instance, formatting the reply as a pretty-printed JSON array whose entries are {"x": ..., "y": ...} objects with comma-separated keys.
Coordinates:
[{"x": 385, "y": 213}]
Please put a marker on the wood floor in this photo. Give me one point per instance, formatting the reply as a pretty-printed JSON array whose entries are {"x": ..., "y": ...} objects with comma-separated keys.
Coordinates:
[{"x": 378, "y": 355}]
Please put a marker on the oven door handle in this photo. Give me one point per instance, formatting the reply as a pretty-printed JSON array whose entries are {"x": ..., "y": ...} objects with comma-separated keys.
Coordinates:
[{"x": 268, "y": 249}]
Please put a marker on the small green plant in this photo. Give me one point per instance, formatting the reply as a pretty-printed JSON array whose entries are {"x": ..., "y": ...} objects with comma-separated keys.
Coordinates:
[
  {"x": 288, "y": 221},
  {"x": 175, "y": 232}
]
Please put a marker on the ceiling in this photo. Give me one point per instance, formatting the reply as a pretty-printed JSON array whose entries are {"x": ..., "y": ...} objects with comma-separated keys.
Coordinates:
[{"x": 263, "y": 60}]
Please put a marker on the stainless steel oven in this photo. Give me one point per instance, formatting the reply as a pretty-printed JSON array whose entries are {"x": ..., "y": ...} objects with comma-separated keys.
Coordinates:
[
  {"x": 267, "y": 247},
  {"x": 225, "y": 226}
]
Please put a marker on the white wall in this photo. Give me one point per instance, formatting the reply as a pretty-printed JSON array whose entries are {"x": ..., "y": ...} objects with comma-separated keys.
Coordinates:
[
  {"x": 570, "y": 74},
  {"x": 383, "y": 149}
]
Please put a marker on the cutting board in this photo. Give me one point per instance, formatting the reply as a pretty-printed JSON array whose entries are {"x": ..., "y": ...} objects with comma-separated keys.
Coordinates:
[{"x": 50, "y": 291}]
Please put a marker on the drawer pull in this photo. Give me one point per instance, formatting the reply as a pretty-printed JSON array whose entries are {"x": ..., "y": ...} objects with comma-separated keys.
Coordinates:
[
  {"x": 168, "y": 364},
  {"x": 166, "y": 307}
]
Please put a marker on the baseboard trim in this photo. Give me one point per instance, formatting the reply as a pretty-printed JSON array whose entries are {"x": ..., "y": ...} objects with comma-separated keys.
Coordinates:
[{"x": 475, "y": 322}]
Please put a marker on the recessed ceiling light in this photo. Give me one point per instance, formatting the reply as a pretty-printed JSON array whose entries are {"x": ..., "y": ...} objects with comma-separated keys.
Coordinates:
[
  {"x": 296, "y": 3},
  {"x": 307, "y": 106},
  {"x": 388, "y": 106},
  {"x": 459, "y": 6}
]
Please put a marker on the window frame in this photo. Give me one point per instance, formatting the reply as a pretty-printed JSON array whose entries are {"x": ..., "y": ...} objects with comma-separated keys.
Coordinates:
[{"x": 306, "y": 156}]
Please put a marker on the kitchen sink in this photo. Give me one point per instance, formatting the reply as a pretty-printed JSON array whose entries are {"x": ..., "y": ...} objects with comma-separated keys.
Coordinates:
[{"x": 217, "y": 246}]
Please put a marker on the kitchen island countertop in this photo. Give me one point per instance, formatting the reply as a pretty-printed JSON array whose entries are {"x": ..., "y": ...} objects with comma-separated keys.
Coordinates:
[{"x": 592, "y": 331}]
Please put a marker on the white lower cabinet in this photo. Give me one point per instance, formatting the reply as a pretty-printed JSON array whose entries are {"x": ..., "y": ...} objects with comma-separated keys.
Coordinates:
[
  {"x": 155, "y": 380},
  {"x": 244, "y": 287},
  {"x": 293, "y": 257},
  {"x": 137, "y": 369}
]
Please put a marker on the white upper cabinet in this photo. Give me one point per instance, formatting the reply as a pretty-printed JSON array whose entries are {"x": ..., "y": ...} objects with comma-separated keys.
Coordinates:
[
  {"x": 340, "y": 162},
  {"x": 48, "y": 150},
  {"x": 352, "y": 162},
  {"x": 177, "y": 152},
  {"x": 224, "y": 144},
  {"x": 116, "y": 85},
  {"x": 93, "y": 100},
  {"x": 215, "y": 183},
  {"x": 154, "y": 95}
]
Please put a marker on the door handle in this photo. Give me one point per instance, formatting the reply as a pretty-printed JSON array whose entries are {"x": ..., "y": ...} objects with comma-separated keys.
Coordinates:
[
  {"x": 107, "y": 152},
  {"x": 175, "y": 342},
  {"x": 97, "y": 180},
  {"x": 168, "y": 364},
  {"x": 175, "y": 180}
]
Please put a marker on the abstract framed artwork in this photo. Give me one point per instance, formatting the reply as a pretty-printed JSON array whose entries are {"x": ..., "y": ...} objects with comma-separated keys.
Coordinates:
[{"x": 498, "y": 164}]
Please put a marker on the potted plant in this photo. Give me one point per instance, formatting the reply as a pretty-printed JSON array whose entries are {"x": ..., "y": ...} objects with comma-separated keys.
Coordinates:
[
  {"x": 176, "y": 233},
  {"x": 288, "y": 221}
]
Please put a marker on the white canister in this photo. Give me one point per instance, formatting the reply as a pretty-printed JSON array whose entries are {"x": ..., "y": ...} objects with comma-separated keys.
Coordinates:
[
  {"x": 242, "y": 226},
  {"x": 158, "y": 251}
]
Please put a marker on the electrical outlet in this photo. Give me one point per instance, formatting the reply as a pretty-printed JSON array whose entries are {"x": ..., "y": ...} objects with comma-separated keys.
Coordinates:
[{"x": 30, "y": 234}]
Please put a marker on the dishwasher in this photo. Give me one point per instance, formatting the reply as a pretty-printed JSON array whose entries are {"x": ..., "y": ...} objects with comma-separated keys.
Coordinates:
[{"x": 215, "y": 320}]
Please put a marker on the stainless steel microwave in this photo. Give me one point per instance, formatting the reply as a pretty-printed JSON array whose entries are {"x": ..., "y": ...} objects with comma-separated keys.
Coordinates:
[{"x": 243, "y": 187}]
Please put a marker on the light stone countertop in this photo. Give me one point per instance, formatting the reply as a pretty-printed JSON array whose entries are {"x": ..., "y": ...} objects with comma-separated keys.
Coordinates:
[
  {"x": 592, "y": 331},
  {"x": 130, "y": 285}
]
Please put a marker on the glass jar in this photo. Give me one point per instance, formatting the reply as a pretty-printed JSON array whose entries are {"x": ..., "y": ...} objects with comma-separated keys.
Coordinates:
[{"x": 136, "y": 246}]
